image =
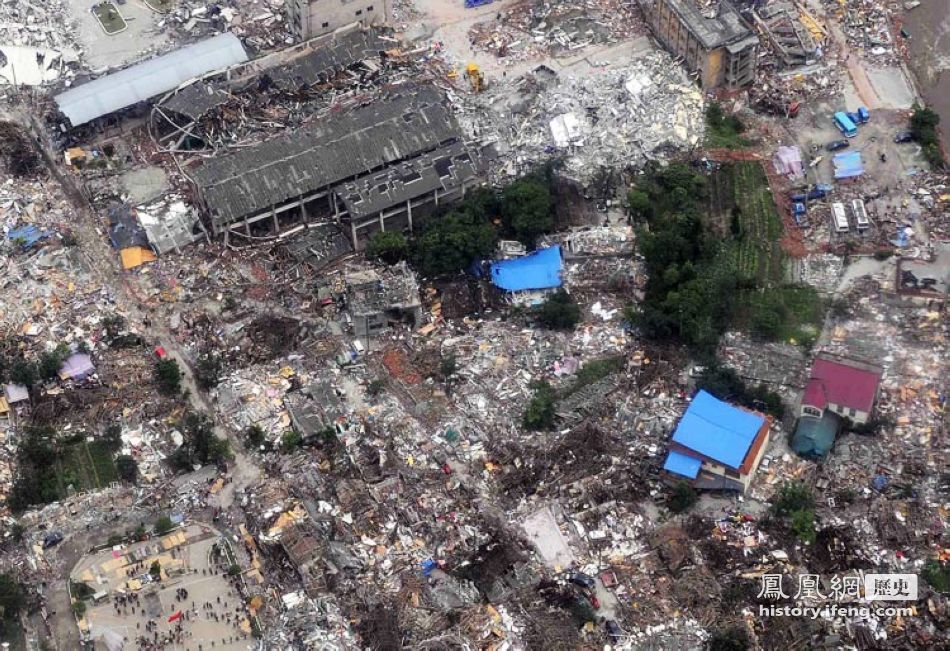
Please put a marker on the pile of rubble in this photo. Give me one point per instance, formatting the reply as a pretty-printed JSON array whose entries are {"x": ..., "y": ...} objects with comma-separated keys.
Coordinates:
[
  {"x": 36, "y": 47},
  {"x": 868, "y": 26},
  {"x": 610, "y": 118},
  {"x": 532, "y": 30}
]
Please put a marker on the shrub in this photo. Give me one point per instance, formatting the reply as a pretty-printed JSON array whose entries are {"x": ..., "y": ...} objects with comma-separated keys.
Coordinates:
[
  {"x": 559, "y": 311},
  {"x": 729, "y": 639},
  {"x": 539, "y": 414},
  {"x": 168, "y": 376},
  {"x": 388, "y": 246},
  {"x": 127, "y": 468},
  {"x": 802, "y": 524},
  {"x": 684, "y": 496},
  {"x": 792, "y": 496},
  {"x": 937, "y": 574},
  {"x": 290, "y": 441},
  {"x": 163, "y": 525},
  {"x": 254, "y": 436}
]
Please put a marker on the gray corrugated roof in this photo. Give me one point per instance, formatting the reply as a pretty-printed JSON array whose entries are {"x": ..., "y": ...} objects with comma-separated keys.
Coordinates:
[
  {"x": 149, "y": 78},
  {"x": 327, "y": 151},
  {"x": 444, "y": 169},
  {"x": 327, "y": 58}
]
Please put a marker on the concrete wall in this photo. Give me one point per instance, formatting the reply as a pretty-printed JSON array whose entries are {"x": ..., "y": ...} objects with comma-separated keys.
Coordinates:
[{"x": 309, "y": 18}]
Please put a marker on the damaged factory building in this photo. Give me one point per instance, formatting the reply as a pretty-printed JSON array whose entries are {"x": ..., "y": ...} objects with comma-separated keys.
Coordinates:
[
  {"x": 368, "y": 168},
  {"x": 716, "y": 44}
]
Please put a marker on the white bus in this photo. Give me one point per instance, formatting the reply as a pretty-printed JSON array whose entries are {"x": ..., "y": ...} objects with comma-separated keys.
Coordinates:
[
  {"x": 840, "y": 217},
  {"x": 860, "y": 214}
]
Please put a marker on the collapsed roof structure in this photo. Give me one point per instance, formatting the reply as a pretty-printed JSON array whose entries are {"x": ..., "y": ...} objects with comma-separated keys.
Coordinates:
[{"x": 347, "y": 163}]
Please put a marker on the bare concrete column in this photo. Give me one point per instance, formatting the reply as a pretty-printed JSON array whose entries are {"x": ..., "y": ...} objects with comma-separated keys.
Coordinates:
[
  {"x": 303, "y": 210},
  {"x": 356, "y": 246},
  {"x": 382, "y": 222},
  {"x": 276, "y": 221},
  {"x": 247, "y": 227},
  {"x": 409, "y": 212}
]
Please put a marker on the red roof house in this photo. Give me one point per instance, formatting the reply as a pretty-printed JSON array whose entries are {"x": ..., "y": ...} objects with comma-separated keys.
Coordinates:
[{"x": 845, "y": 386}]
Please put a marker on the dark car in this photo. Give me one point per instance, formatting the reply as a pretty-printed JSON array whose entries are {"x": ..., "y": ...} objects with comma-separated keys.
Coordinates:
[
  {"x": 583, "y": 580},
  {"x": 614, "y": 631},
  {"x": 904, "y": 136},
  {"x": 52, "y": 539},
  {"x": 837, "y": 144}
]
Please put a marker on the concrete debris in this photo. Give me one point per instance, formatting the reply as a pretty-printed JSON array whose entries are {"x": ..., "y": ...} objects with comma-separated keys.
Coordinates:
[{"x": 607, "y": 118}]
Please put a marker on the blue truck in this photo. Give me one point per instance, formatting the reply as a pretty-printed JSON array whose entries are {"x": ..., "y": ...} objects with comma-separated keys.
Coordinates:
[
  {"x": 820, "y": 191},
  {"x": 845, "y": 124},
  {"x": 470, "y": 4}
]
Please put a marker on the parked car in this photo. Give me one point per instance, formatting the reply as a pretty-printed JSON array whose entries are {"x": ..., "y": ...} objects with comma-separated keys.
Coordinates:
[
  {"x": 903, "y": 136},
  {"x": 837, "y": 144},
  {"x": 583, "y": 580}
]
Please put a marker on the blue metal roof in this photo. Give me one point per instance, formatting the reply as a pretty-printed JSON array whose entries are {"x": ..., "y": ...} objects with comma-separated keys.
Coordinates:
[
  {"x": 717, "y": 430},
  {"x": 147, "y": 79},
  {"x": 539, "y": 270},
  {"x": 682, "y": 464}
]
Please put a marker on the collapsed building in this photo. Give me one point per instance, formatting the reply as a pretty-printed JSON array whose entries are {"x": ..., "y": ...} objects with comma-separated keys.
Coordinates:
[
  {"x": 373, "y": 168},
  {"x": 377, "y": 299},
  {"x": 717, "y": 45}
]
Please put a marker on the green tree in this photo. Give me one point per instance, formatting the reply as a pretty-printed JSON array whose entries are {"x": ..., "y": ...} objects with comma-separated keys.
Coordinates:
[
  {"x": 12, "y": 597},
  {"x": 539, "y": 415},
  {"x": 375, "y": 387},
  {"x": 528, "y": 208},
  {"x": 802, "y": 524},
  {"x": 290, "y": 441},
  {"x": 22, "y": 372},
  {"x": 388, "y": 246},
  {"x": 682, "y": 498},
  {"x": 559, "y": 311},
  {"x": 449, "y": 244},
  {"x": 114, "y": 539},
  {"x": 234, "y": 569},
  {"x": 200, "y": 445},
  {"x": 208, "y": 370},
  {"x": 168, "y": 376},
  {"x": 155, "y": 570},
  {"x": 448, "y": 367},
  {"x": 792, "y": 496},
  {"x": 640, "y": 205},
  {"x": 52, "y": 361},
  {"x": 254, "y": 436},
  {"x": 163, "y": 525},
  {"x": 127, "y": 468},
  {"x": 923, "y": 125},
  {"x": 79, "y": 607}
]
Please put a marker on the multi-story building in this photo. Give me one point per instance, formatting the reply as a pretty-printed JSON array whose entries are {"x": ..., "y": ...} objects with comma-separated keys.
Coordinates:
[
  {"x": 310, "y": 18},
  {"x": 718, "y": 45}
]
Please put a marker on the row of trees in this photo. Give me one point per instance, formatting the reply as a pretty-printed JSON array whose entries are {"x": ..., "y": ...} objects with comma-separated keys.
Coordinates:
[
  {"x": 689, "y": 294},
  {"x": 923, "y": 124}
]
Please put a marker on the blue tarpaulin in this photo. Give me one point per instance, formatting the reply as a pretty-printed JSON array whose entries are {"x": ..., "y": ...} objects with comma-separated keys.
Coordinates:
[
  {"x": 848, "y": 164},
  {"x": 539, "y": 270},
  {"x": 682, "y": 464},
  {"x": 718, "y": 430},
  {"x": 29, "y": 235}
]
